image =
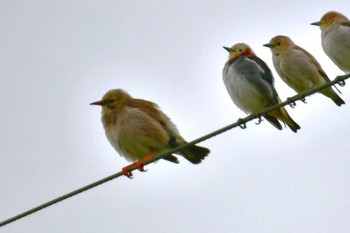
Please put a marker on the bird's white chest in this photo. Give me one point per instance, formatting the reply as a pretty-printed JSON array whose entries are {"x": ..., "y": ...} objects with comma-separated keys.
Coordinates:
[
  {"x": 336, "y": 44},
  {"x": 245, "y": 86}
]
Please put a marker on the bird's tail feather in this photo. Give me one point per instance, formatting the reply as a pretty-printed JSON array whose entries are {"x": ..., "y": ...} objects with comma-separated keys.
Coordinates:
[
  {"x": 274, "y": 121},
  {"x": 171, "y": 158},
  {"x": 195, "y": 154},
  {"x": 283, "y": 116},
  {"x": 329, "y": 92}
]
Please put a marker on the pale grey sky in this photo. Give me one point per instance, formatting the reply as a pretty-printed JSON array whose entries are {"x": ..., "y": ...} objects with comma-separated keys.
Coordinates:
[{"x": 58, "y": 56}]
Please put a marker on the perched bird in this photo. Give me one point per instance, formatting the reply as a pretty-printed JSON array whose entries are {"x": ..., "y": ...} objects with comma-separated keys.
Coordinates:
[
  {"x": 249, "y": 82},
  {"x": 138, "y": 129},
  {"x": 335, "y": 37},
  {"x": 298, "y": 68}
]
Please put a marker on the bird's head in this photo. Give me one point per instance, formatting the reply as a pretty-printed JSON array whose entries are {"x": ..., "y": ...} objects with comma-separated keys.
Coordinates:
[
  {"x": 329, "y": 18},
  {"x": 239, "y": 49},
  {"x": 112, "y": 99},
  {"x": 279, "y": 43}
]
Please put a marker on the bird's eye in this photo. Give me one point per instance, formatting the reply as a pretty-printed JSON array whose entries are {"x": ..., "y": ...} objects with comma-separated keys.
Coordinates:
[
  {"x": 278, "y": 43},
  {"x": 240, "y": 50}
]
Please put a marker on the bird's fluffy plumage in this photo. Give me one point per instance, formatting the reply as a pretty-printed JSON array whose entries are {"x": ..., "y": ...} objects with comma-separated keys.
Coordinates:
[
  {"x": 335, "y": 38},
  {"x": 249, "y": 82},
  {"x": 298, "y": 68},
  {"x": 137, "y": 128}
]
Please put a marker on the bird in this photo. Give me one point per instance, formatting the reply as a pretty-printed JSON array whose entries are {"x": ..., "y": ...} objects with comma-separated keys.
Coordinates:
[
  {"x": 298, "y": 68},
  {"x": 335, "y": 38},
  {"x": 250, "y": 84},
  {"x": 138, "y": 130}
]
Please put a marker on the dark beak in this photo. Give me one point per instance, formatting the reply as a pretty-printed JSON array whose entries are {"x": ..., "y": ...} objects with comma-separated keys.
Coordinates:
[
  {"x": 316, "y": 23},
  {"x": 228, "y": 49},
  {"x": 100, "y": 102},
  {"x": 269, "y": 45}
]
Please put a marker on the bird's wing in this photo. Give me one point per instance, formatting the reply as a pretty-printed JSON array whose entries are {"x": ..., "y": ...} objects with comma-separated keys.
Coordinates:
[
  {"x": 267, "y": 75},
  {"x": 314, "y": 62},
  {"x": 153, "y": 111}
]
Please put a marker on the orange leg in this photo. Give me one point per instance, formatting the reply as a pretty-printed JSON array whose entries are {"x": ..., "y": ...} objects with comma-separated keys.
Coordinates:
[{"x": 137, "y": 165}]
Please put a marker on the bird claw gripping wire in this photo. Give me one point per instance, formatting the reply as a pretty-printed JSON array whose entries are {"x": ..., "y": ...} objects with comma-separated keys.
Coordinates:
[
  {"x": 303, "y": 100},
  {"x": 241, "y": 123},
  {"x": 127, "y": 173},
  {"x": 137, "y": 165},
  {"x": 341, "y": 82},
  {"x": 259, "y": 120},
  {"x": 292, "y": 103}
]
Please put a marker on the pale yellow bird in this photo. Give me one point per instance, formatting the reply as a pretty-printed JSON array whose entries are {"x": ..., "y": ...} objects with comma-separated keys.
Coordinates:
[
  {"x": 298, "y": 68},
  {"x": 250, "y": 84},
  {"x": 335, "y": 38},
  {"x": 138, "y": 130}
]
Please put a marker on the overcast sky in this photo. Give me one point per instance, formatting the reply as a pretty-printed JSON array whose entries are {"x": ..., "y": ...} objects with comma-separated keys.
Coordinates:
[{"x": 58, "y": 56}]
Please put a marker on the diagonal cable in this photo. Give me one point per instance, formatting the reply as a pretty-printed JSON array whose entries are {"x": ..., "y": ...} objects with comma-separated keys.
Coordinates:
[{"x": 240, "y": 122}]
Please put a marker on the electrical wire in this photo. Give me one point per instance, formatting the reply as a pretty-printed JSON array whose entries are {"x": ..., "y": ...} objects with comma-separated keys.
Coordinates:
[{"x": 240, "y": 122}]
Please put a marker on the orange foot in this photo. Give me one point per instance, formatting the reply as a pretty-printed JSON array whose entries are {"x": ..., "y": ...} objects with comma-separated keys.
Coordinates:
[{"x": 137, "y": 165}]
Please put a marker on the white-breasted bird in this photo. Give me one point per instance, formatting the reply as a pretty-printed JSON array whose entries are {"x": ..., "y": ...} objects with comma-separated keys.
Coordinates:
[
  {"x": 335, "y": 38},
  {"x": 250, "y": 84},
  {"x": 138, "y": 130},
  {"x": 298, "y": 68}
]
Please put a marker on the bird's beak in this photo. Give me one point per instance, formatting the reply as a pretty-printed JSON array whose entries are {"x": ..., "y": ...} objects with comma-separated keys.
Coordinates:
[
  {"x": 228, "y": 49},
  {"x": 100, "y": 102},
  {"x": 269, "y": 45},
  {"x": 316, "y": 23}
]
